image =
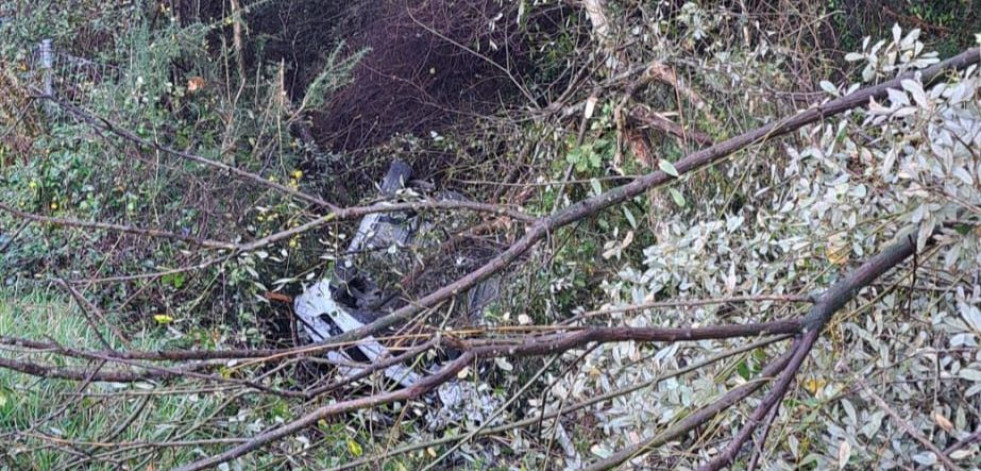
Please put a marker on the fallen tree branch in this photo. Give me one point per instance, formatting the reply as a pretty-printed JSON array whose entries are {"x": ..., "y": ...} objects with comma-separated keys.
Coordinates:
[
  {"x": 697, "y": 418},
  {"x": 54, "y": 372},
  {"x": 541, "y": 345},
  {"x": 827, "y": 304},
  {"x": 565, "y": 341},
  {"x": 68, "y": 222},
  {"x": 647, "y": 118},
  {"x": 694, "y": 161},
  {"x": 425, "y": 385},
  {"x": 536, "y": 345},
  {"x": 564, "y": 338},
  {"x": 770, "y": 401},
  {"x": 568, "y": 410}
]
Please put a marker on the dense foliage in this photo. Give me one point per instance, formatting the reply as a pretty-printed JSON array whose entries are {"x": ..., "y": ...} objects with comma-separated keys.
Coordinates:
[{"x": 179, "y": 189}]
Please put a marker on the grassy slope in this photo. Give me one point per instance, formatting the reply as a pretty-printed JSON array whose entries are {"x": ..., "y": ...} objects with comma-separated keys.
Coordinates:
[{"x": 37, "y": 415}]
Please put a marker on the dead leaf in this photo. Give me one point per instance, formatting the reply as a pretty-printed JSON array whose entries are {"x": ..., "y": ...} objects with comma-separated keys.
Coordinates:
[
  {"x": 943, "y": 422},
  {"x": 195, "y": 84},
  {"x": 844, "y": 453},
  {"x": 590, "y": 106},
  {"x": 278, "y": 297},
  {"x": 640, "y": 148},
  {"x": 838, "y": 250}
]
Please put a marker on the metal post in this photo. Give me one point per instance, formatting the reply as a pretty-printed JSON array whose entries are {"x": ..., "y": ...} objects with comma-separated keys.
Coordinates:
[{"x": 47, "y": 67}]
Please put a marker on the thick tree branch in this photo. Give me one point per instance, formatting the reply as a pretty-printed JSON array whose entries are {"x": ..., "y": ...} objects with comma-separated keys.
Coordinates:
[
  {"x": 572, "y": 408},
  {"x": 694, "y": 161},
  {"x": 427, "y": 384},
  {"x": 565, "y": 341},
  {"x": 827, "y": 304},
  {"x": 770, "y": 401},
  {"x": 699, "y": 417}
]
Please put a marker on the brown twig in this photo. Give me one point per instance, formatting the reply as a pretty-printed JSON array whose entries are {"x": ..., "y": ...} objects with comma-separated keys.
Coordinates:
[
  {"x": 88, "y": 307},
  {"x": 694, "y": 161},
  {"x": 758, "y": 449},
  {"x": 965, "y": 442},
  {"x": 112, "y": 128},
  {"x": 645, "y": 117},
  {"x": 425, "y": 385},
  {"x": 14, "y": 236},
  {"x": 903, "y": 424},
  {"x": 697, "y": 418},
  {"x": 207, "y": 243}
]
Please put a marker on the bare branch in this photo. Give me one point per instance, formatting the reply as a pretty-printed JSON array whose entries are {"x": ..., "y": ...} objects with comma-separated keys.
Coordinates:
[
  {"x": 965, "y": 442},
  {"x": 692, "y": 162},
  {"x": 699, "y": 417},
  {"x": 108, "y": 126},
  {"x": 425, "y": 385},
  {"x": 573, "y": 408},
  {"x": 770, "y": 402},
  {"x": 562, "y": 342},
  {"x": 213, "y": 244},
  {"x": 87, "y": 307},
  {"x": 908, "y": 428}
]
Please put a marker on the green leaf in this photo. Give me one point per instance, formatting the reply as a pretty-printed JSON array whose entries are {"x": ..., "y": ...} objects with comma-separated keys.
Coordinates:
[
  {"x": 630, "y": 217},
  {"x": 970, "y": 375},
  {"x": 174, "y": 279},
  {"x": 829, "y": 87},
  {"x": 743, "y": 370},
  {"x": 668, "y": 168},
  {"x": 679, "y": 199},
  {"x": 595, "y": 160},
  {"x": 354, "y": 447},
  {"x": 597, "y": 186}
]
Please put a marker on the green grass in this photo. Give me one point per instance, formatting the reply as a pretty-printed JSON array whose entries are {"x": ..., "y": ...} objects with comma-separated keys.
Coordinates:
[{"x": 48, "y": 424}]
